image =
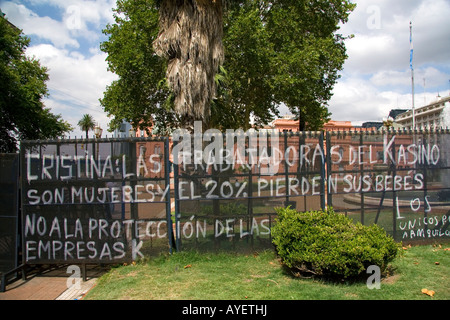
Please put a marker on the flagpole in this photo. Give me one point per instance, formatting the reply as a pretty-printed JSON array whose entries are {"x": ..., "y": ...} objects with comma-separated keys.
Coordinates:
[{"x": 412, "y": 76}]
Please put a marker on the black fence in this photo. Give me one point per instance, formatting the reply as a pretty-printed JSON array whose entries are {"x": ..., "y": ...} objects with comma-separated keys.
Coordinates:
[
  {"x": 9, "y": 208},
  {"x": 226, "y": 198},
  {"x": 115, "y": 200},
  {"x": 95, "y": 201},
  {"x": 398, "y": 180}
]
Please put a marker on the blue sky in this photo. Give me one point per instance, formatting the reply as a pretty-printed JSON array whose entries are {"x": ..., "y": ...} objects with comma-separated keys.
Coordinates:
[{"x": 66, "y": 35}]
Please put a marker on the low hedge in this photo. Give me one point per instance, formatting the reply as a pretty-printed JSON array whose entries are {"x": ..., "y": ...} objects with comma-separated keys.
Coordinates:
[{"x": 326, "y": 243}]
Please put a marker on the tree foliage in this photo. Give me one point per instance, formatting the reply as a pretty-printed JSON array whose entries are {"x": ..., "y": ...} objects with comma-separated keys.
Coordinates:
[
  {"x": 308, "y": 54},
  {"x": 141, "y": 91},
  {"x": 86, "y": 123},
  {"x": 22, "y": 88},
  {"x": 247, "y": 92},
  {"x": 275, "y": 52}
]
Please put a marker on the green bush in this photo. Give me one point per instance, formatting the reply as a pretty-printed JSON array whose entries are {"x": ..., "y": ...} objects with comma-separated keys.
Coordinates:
[{"x": 330, "y": 244}]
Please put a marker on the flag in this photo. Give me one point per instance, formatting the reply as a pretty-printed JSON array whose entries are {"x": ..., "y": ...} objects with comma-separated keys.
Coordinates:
[{"x": 411, "y": 47}]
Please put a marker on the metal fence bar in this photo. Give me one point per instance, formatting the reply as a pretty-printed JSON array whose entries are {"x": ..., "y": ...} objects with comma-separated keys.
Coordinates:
[
  {"x": 329, "y": 195},
  {"x": 9, "y": 217},
  {"x": 359, "y": 200},
  {"x": 177, "y": 203},
  {"x": 168, "y": 167},
  {"x": 323, "y": 193}
]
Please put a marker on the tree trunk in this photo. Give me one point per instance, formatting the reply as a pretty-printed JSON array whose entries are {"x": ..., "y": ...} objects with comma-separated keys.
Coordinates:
[
  {"x": 301, "y": 120},
  {"x": 190, "y": 37}
]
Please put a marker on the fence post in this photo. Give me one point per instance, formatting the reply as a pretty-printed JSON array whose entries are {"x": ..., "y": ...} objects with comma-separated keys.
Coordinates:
[
  {"x": 322, "y": 173},
  {"x": 425, "y": 186},
  {"x": 286, "y": 170},
  {"x": 394, "y": 193},
  {"x": 177, "y": 201},
  {"x": 22, "y": 178},
  {"x": 361, "y": 172},
  {"x": 167, "y": 170},
  {"x": 329, "y": 199}
]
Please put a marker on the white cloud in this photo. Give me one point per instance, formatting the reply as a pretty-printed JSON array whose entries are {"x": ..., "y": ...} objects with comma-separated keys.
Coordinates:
[
  {"x": 359, "y": 101},
  {"x": 78, "y": 19},
  {"x": 80, "y": 15},
  {"x": 386, "y": 45},
  {"x": 368, "y": 53},
  {"x": 432, "y": 32},
  {"x": 377, "y": 76},
  {"x": 76, "y": 80},
  {"x": 87, "y": 11},
  {"x": 389, "y": 78},
  {"x": 77, "y": 68},
  {"x": 375, "y": 79},
  {"x": 43, "y": 27}
]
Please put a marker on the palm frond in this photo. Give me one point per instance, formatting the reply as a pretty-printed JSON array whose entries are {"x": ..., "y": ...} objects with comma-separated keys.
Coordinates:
[{"x": 190, "y": 37}]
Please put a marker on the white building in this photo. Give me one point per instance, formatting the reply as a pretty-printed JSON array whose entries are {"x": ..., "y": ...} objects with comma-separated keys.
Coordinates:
[{"x": 432, "y": 116}]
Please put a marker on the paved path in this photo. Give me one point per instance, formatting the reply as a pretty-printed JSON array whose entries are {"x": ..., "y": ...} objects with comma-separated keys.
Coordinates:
[{"x": 50, "y": 285}]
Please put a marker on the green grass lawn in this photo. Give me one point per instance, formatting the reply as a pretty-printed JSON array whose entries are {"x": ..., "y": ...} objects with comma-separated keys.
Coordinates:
[{"x": 227, "y": 276}]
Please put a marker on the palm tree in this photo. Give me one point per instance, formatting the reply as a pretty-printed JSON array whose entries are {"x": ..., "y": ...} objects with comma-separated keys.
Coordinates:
[
  {"x": 86, "y": 123},
  {"x": 190, "y": 37}
]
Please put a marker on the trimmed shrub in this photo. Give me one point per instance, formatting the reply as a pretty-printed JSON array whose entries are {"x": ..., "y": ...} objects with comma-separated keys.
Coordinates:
[{"x": 330, "y": 244}]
